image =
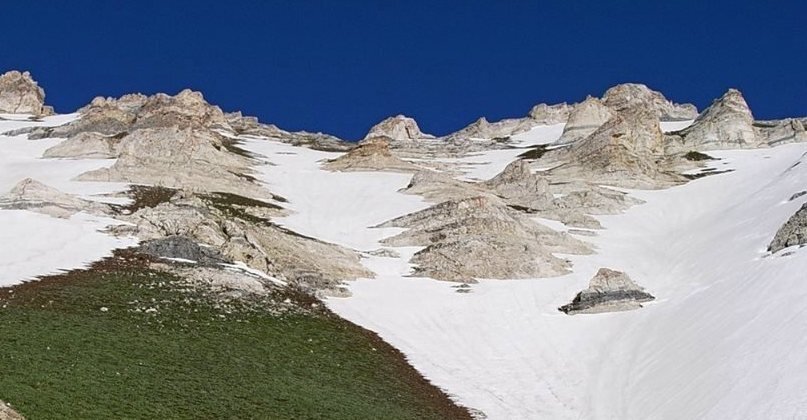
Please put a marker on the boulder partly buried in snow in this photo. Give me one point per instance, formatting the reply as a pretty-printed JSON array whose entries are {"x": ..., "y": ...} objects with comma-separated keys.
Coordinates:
[
  {"x": 792, "y": 233},
  {"x": 608, "y": 291}
]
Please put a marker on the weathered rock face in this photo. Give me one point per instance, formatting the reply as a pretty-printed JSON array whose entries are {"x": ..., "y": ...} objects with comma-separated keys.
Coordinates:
[
  {"x": 480, "y": 237},
  {"x": 20, "y": 94},
  {"x": 33, "y": 195},
  {"x": 775, "y": 133},
  {"x": 634, "y": 95},
  {"x": 726, "y": 124},
  {"x": 519, "y": 187},
  {"x": 182, "y": 247},
  {"x": 792, "y": 233},
  {"x": 182, "y": 158},
  {"x": 608, "y": 291},
  {"x": 86, "y": 145},
  {"x": 6, "y": 413},
  {"x": 550, "y": 114},
  {"x": 398, "y": 128},
  {"x": 318, "y": 141},
  {"x": 240, "y": 228},
  {"x": 372, "y": 155},
  {"x": 626, "y": 151},
  {"x": 584, "y": 119}
]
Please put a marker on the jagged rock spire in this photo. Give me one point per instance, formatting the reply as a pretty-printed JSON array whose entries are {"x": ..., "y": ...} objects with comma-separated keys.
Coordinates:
[{"x": 20, "y": 94}]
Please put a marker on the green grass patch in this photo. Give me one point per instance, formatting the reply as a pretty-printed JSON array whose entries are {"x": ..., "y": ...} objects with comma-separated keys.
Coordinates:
[{"x": 191, "y": 357}]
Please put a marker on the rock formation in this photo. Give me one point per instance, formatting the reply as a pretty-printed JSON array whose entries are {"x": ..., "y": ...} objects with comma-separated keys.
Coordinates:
[
  {"x": 250, "y": 126},
  {"x": 183, "y": 248},
  {"x": 33, "y": 195},
  {"x": 397, "y": 128},
  {"x": 634, "y": 95},
  {"x": 20, "y": 94},
  {"x": 519, "y": 187},
  {"x": 584, "y": 119},
  {"x": 6, "y": 413},
  {"x": 608, "y": 291},
  {"x": 544, "y": 114},
  {"x": 371, "y": 155},
  {"x": 792, "y": 233},
  {"x": 775, "y": 133},
  {"x": 480, "y": 237},
  {"x": 726, "y": 124}
]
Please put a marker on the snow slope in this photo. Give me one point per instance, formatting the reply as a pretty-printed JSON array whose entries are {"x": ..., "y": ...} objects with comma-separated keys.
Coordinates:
[
  {"x": 724, "y": 339},
  {"x": 32, "y": 244}
]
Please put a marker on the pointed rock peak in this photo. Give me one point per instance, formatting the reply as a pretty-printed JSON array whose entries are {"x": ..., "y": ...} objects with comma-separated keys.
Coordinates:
[
  {"x": 398, "y": 128},
  {"x": 727, "y": 123},
  {"x": 20, "y": 94},
  {"x": 628, "y": 95},
  {"x": 731, "y": 102},
  {"x": 584, "y": 119}
]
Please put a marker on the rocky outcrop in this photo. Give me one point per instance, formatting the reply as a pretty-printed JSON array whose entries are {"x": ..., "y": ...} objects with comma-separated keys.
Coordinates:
[
  {"x": 792, "y": 233},
  {"x": 241, "y": 230},
  {"x": 626, "y": 151},
  {"x": 608, "y": 291},
  {"x": 584, "y": 119},
  {"x": 184, "y": 158},
  {"x": 726, "y": 124},
  {"x": 397, "y": 128},
  {"x": 20, "y": 94},
  {"x": 519, "y": 187},
  {"x": 635, "y": 95},
  {"x": 6, "y": 413},
  {"x": 182, "y": 248},
  {"x": 250, "y": 126},
  {"x": 86, "y": 145},
  {"x": 482, "y": 238},
  {"x": 35, "y": 196},
  {"x": 778, "y": 132},
  {"x": 544, "y": 114},
  {"x": 482, "y": 129},
  {"x": 371, "y": 155}
]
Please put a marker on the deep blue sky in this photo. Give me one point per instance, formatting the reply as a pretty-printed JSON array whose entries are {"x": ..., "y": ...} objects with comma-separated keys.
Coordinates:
[{"x": 341, "y": 66}]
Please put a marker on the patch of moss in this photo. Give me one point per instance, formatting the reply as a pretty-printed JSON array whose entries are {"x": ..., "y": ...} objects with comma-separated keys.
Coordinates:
[{"x": 145, "y": 196}]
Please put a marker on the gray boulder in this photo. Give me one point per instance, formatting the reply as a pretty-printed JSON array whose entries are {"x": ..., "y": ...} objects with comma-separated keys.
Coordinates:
[
  {"x": 608, "y": 291},
  {"x": 792, "y": 233}
]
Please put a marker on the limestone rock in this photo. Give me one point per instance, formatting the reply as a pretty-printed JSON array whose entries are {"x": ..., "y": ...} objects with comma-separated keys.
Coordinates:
[
  {"x": 182, "y": 247},
  {"x": 608, "y": 291},
  {"x": 244, "y": 125},
  {"x": 33, "y": 195},
  {"x": 792, "y": 233},
  {"x": 626, "y": 151},
  {"x": 182, "y": 158},
  {"x": 519, "y": 187},
  {"x": 7, "y": 413},
  {"x": 550, "y": 114},
  {"x": 584, "y": 119},
  {"x": 397, "y": 128},
  {"x": 85, "y": 145},
  {"x": 371, "y": 155},
  {"x": 635, "y": 95},
  {"x": 480, "y": 237},
  {"x": 20, "y": 94},
  {"x": 726, "y": 124},
  {"x": 775, "y": 133}
]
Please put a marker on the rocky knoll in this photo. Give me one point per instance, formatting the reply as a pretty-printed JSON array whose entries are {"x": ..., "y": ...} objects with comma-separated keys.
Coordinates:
[
  {"x": 519, "y": 187},
  {"x": 544, "y": 114},
  {"x": 20, "y": 94},
  {"x": 792, "y": 233},
  {"x": 541, "y": 114},
  {"x": 608, "y": 291},
  {"x": 240, "y": 228},
  {"x": 726, "y": 124},
  {"x": 636, "y": 95},
  {"x": 626, "y": 151},
  {"x": 33, "y": 195},
  {"x": 399, "y": 128},
  {"x": 250, "y": 126},
  {"x": 6, "y": 413},
  {"x": 371, "y": 155},
  {"x": 481, "y": 237},
  {"x": 778, "y": 132},
  {"x": 585, "y": 118}
]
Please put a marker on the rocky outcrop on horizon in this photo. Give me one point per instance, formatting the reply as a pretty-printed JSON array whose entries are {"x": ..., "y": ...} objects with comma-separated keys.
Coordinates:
[
  {"x": 726, "y": 124},
  {"x": 636, "y": 95},
  {"x": 399, "y": 128},
  {"x": 250, "y": 126},
  {"x": 20, "y": 94},
  {"x": 792, "y": 233},
  {"x": 778, "y": 132},
  {"x": 584, "y": 119},
  {"x": 608, "y": 291},
  {"x": 482, "y": 238},
  {"x": 371, "y": 155}
]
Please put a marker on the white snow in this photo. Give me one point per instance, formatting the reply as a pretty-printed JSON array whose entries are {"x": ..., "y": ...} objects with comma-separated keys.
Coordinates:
[
  {"x": 33, "y": 244},
  {"x": 724, "y": 339}
]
